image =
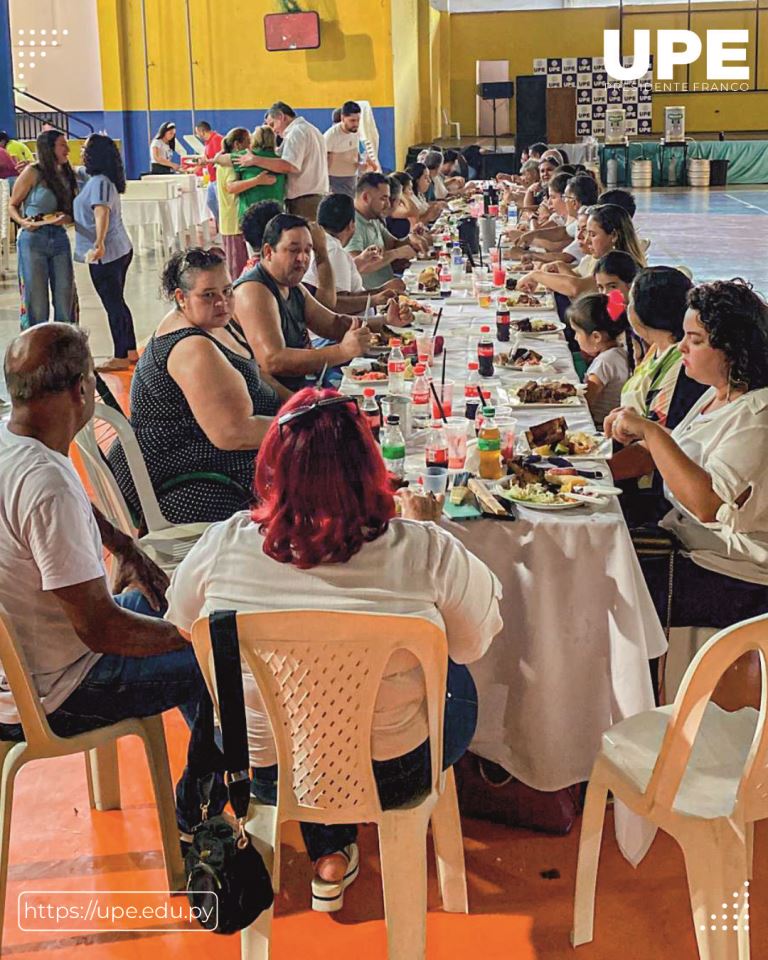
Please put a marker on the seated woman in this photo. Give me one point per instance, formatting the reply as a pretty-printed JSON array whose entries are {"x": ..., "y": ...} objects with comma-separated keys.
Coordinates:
[
  {"x": 324, "y": 535},
  {"x": 615, "y": 271},
  {"x": 608, "y": 228},
  {"x": 199, "y": 406},
  {"x": 425, "y": 211},
  {"x": 713, "y": 465}
]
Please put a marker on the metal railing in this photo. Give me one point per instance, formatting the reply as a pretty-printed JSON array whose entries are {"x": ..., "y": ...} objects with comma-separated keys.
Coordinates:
[{"x": 29, "y": 125}]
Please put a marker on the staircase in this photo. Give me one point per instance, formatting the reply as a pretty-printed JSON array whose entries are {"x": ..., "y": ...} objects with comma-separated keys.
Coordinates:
[{"x": 29, "y": 125}]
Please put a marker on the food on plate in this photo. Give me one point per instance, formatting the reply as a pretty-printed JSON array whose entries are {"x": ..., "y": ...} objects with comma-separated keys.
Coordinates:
[
  {"x": 383, "y": 336},
  {"x": 45, "y": 217},
  {"x": 520, "y": 359},
  {"x": 375, "y": 371},
  {"x": 555, "y": 391},
  {"x": 525, "y": 300},
  {"x": 531, "y": 486},
  {"x": 429, "y": 280},
  {"x": 554, "y": 437},
  {"x": 459, "y": 490},
  {"x": 527, "y": 325}
]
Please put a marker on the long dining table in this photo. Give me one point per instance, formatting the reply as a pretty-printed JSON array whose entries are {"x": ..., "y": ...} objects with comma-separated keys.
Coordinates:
[{"x": 579, "y": 624}]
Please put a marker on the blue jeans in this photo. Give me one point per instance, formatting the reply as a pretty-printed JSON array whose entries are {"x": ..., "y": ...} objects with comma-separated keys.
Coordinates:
[
  {"x": 118, "y": 687},
  {"x": 212, "y": 199},
  {"x": 45, "y": 261},
  {"x": 400, "y": 780}
]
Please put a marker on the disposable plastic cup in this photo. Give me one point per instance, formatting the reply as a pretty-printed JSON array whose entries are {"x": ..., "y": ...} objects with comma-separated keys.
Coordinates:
[
  {"x": 456, "y": 436},
  {"x": 445, "y": 392},
  {"x": 435, "y": 480},
  {"x": 508, "y": 435}
]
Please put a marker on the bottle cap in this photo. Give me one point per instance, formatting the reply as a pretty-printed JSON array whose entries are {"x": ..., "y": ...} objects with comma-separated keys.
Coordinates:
[
  {"x": 419, "y": 369},
  {"x": 395, "y": 342},
  {"x": 489, "y": 411},
  {"x": 485, "y": 329},
  {"x": 393, "y": 419},
  {"x": 473, "y": 365},
  {"x": 369, "y": 392}
]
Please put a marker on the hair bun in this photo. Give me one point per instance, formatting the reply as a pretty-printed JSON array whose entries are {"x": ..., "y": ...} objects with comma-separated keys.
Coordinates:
[{"x": 616, "y": 304}]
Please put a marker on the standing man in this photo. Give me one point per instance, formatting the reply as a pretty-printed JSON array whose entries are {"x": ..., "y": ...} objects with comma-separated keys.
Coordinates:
[
  {"x": 212, "y": 141},
  {"x": 372, "y": 204},
  {"x": 342, "y": 142},
  {"x": 302, "y": 158}
]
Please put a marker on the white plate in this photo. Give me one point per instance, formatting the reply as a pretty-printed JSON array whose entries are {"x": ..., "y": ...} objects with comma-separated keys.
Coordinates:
[
  {"x": 569, "y": 402},
  {"x": 547, "y": 302},
  {"x": 603, "y": 450},
  {"x": 547, "y": 365},
  {"x": 557, "y": 327},
  {"x": 543, "y": 506}
]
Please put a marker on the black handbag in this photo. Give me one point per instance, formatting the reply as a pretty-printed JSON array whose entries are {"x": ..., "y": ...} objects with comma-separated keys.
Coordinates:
[{"x": 228, "y": 884}]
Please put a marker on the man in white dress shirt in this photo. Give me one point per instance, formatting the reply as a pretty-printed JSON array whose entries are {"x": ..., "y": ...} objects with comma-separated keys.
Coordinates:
[{"x": 302, "y": 158}]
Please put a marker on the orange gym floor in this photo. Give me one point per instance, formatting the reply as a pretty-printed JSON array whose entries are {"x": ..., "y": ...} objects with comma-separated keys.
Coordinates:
[{"x": 520, "y": 883}]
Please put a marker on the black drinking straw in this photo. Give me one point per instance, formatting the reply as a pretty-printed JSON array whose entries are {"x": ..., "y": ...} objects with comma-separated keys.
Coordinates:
[
  {"x": 437, "y": 322},
  {"x": 437, "y": 401},
  {"x": 480, "y": 394},
  {"x": 442, "y": 375}
]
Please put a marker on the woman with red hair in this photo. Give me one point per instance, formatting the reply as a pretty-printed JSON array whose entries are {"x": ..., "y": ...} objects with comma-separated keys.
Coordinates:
[{"x": 324, "y": 534}]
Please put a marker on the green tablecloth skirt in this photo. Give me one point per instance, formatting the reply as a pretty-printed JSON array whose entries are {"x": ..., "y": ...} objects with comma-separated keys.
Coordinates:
[{"x": 747, "y": 159}]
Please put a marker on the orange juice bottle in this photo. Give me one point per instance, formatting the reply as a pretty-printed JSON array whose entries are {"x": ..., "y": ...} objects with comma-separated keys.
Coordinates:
[{"x": 489, "y": 446}]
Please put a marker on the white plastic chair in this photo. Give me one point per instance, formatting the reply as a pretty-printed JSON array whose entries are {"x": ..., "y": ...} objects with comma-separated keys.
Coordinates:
[
  {"x": 320, "y": 696},
  {"x": 452, "y": 123},
  {"x": 697, "y": 772},
  {"x": 167, "y": 542},
  {"x": 100, "y": 748}
]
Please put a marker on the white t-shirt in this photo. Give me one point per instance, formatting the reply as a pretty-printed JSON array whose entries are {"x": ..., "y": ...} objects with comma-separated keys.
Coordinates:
[
  {"x": 611, "y": 368},
  {"x": 572, "y": 228},
  {"x": 731, "y": 444},
  {"x": 344, "y": 150},
  {"x": 48, "y": 539},
  {"x": 304, "y": 147},
  {"x": 163, "y": 149},
  {"x": 346, "y": 276},
  {"x": 415, "y": 569},
  {"x": 586, "y": 266}
]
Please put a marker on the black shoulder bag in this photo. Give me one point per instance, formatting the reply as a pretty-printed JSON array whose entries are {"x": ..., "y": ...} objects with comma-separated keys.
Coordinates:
[{"x": 227, "y": 881}]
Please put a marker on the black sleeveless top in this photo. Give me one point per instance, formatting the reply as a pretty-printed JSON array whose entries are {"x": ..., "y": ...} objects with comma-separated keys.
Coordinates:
[
  {"x": 292, "y": 322},
  {"x": 173, "y": 443}
]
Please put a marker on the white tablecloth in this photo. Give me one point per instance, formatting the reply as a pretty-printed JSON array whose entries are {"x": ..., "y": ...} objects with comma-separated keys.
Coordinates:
[
  {"x": 176, "y": 216},
  {"x": 579, "y": 625}
]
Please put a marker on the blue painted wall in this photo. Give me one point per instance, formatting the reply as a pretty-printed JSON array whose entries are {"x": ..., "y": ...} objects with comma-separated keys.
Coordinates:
[
  {"x": 7, "y": 108},
  {"x": 131, "y": 128}
]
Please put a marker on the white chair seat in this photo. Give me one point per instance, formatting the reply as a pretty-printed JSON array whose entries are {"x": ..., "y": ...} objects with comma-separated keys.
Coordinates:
[{"x": 711, "y": 780}]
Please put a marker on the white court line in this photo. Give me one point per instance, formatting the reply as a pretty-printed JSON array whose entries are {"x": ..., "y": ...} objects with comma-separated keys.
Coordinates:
[{"x": 752, "y": 206}]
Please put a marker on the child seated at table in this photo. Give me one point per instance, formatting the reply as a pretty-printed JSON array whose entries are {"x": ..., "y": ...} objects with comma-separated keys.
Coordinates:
[
  {"x": 262, "y": 145},
  {"x": 599, "y": 323}
]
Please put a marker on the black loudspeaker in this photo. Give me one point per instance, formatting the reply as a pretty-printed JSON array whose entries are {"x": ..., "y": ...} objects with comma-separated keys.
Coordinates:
[
  {"x": 531, "y": 112},
  {"x": 496, "y": 91}
]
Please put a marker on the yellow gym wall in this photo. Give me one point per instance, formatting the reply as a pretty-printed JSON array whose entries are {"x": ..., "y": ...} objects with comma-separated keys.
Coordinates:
[{"x": 521, "y": 36}]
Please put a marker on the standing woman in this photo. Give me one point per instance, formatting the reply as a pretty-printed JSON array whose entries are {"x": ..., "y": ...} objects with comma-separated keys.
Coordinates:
[
  {"x": 102, "y": 241},
  {"x": 162, "y": 149},
  {"x": 41, "y": 205}
]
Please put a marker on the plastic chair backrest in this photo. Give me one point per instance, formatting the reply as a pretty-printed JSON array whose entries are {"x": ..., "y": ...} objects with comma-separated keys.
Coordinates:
[
  {"x": 110, "y": 499},
  {"x": 696, "y": 689},
  {"x": 320, "y": 696},
  {"x": 37, "y": 733}
]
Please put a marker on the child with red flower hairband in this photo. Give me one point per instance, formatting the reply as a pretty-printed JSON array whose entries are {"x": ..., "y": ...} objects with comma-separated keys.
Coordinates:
[{"x": 600, "y": 324}]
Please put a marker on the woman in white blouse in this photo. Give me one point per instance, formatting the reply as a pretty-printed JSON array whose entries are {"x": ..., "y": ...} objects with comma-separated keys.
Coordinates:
[
  {"x": 325, "y": 535},
  {"x": 713, "y": 464},
  {"x": 162, "y": 148}
]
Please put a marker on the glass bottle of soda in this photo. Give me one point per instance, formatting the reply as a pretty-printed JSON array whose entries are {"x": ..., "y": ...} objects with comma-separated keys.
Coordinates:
[
  {"x": 489, "y": 447},
  {"x": 437, "y": 446},
  {"x": 371, "y": 411},
  {"x": 471, "y": 396},
  {"x": 445, "y": 279},
  {"x": 502, "y": 320},
  {"x": 485, "y": 352}
]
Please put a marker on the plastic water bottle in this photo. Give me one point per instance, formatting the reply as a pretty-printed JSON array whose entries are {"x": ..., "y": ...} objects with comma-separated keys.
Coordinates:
[
  {"x": 370, "y": 410},
  {"x": 420, "y": 398},
  {"x": 393, "y": 446},
  {"x": 457, "y": 264},
  {"x": 396, "y": 366}
]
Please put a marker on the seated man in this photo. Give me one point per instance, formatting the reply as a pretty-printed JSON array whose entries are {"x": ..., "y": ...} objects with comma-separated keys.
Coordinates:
[
  {"x": 277, "y": 313},
  {"x": 372, "y": 202},
  {"x": 93, "y": 660},
  {"x": 336, "y": 215}
]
